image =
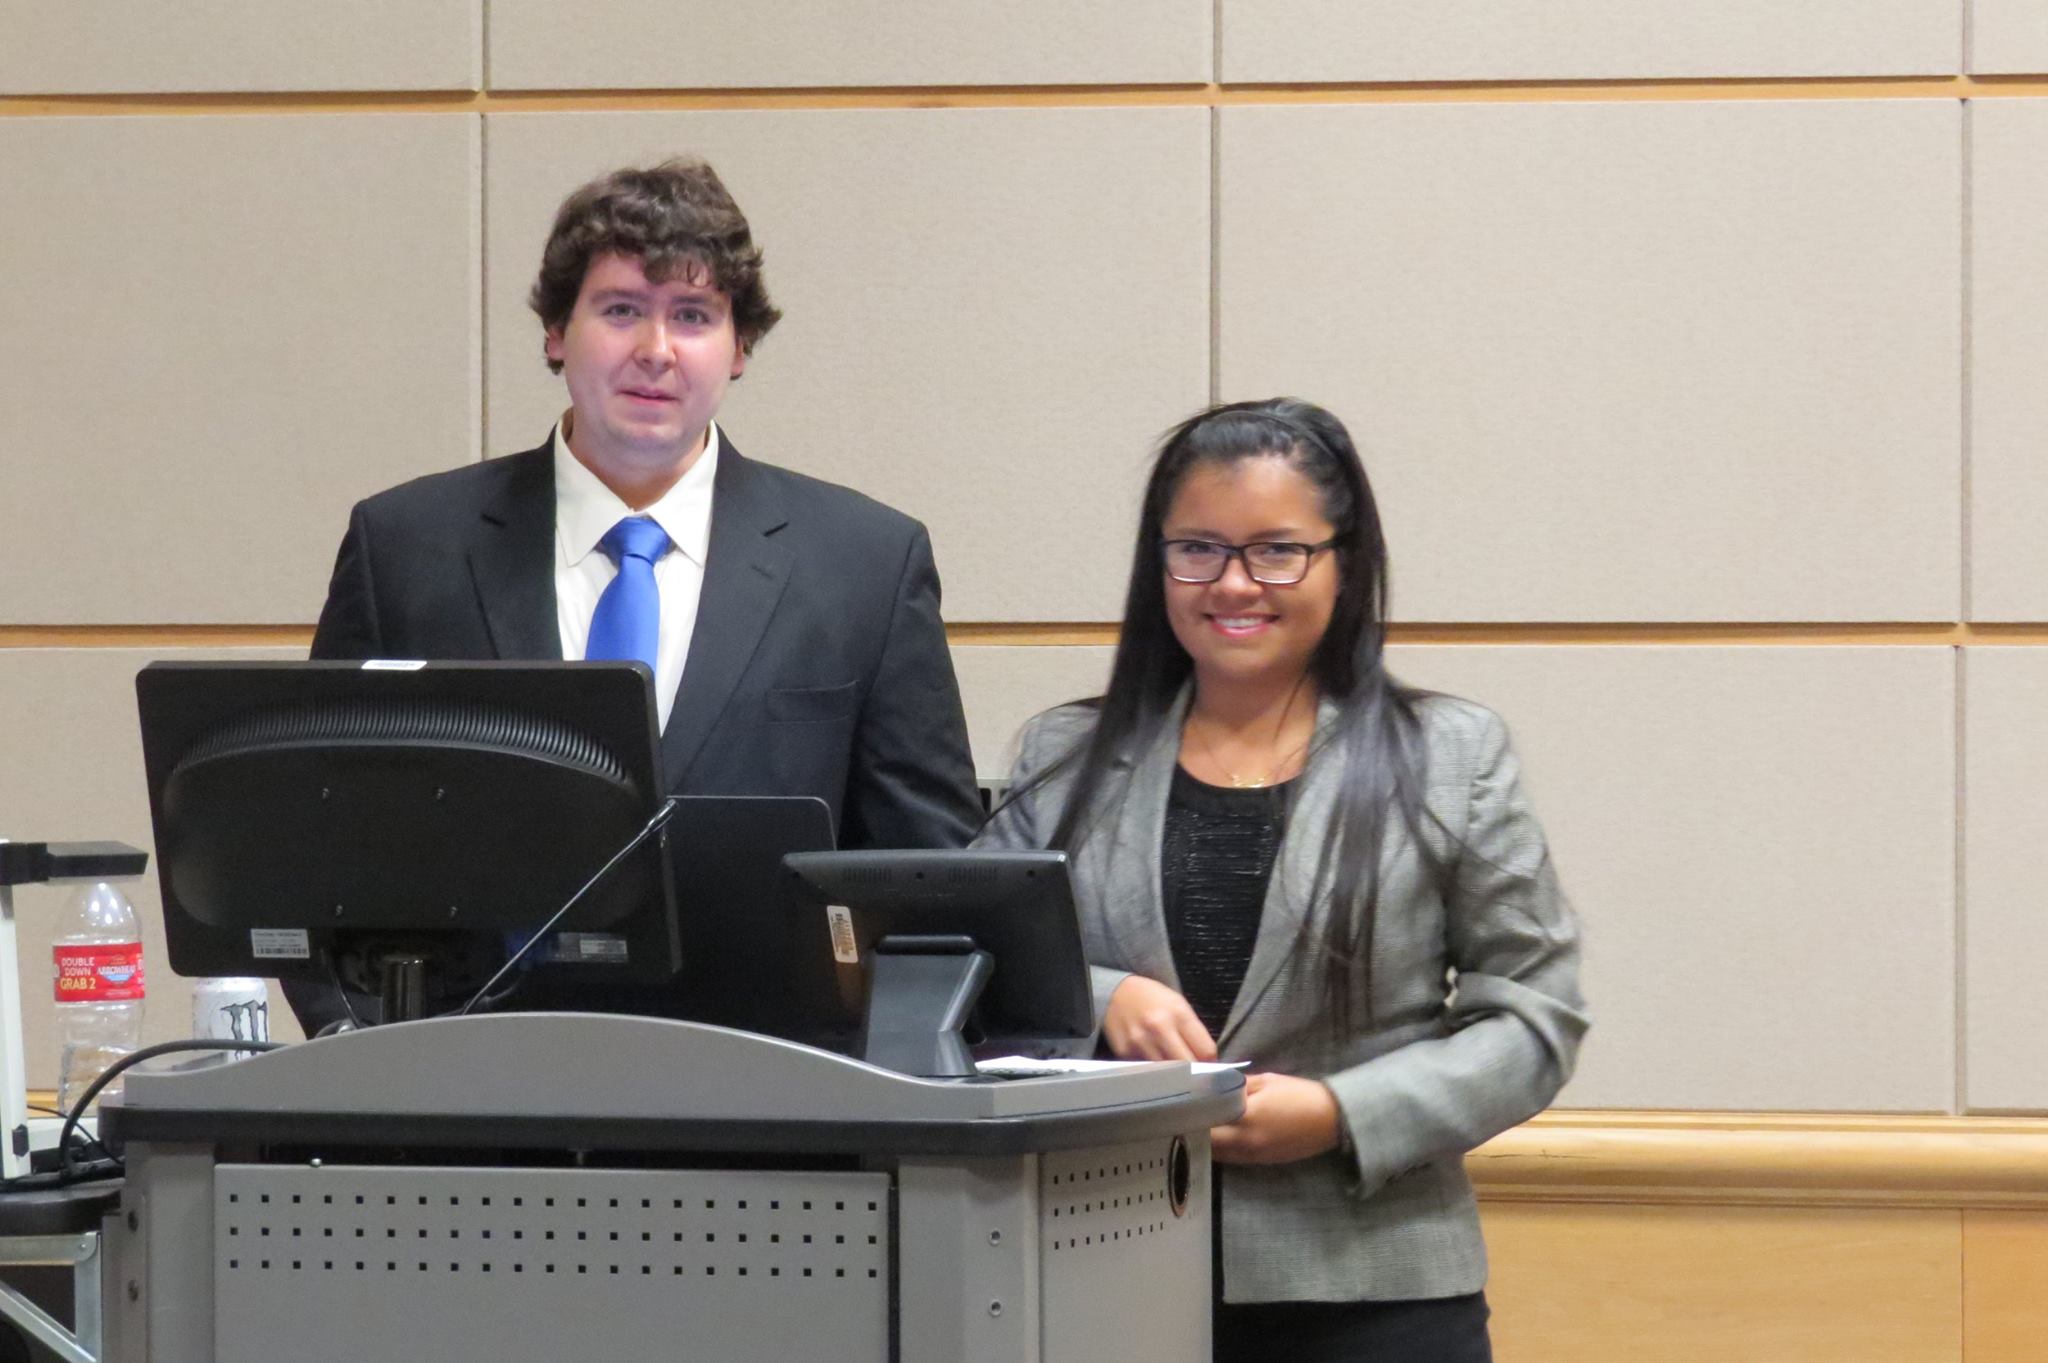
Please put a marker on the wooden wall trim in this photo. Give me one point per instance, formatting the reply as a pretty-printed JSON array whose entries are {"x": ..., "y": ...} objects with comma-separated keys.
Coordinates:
[
  {"x": 1029, "y": 96},
  {"x": 1758, "y": 1159}
]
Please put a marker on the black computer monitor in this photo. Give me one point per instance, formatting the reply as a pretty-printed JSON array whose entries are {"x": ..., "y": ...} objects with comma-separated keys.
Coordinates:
[
  {"x": 323, "y": 820},
  {"x": 916, "y": 949},
  {"x": 726, "y": 853}
]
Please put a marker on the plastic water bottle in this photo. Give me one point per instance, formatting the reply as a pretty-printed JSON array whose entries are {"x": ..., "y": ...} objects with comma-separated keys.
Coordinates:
[{"x": 98, "y": 959}]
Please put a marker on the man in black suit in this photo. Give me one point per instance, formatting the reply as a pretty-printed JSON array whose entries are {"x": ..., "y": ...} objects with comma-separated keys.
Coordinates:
[{"x": 798, "y": 650}]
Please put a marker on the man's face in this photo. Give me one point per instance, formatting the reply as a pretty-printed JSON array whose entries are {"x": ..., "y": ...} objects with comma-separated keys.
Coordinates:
[{"x": 647, "y": 366}]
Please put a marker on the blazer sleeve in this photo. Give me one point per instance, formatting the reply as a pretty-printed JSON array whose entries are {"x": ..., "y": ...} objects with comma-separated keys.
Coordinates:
[
  {"x": 1516, "y": 1015},
  {"x": 911, "y": 780},
  {"x": 348, "y": 621}
]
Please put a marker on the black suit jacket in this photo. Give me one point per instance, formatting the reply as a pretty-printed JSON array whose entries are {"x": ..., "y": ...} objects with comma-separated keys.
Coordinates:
[{"x": 818, "y": 665}]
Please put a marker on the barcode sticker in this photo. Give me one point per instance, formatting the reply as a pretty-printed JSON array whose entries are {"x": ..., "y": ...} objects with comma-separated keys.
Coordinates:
[
  {"x": 597, "y": 948},
  {"x": 844, "y": 949},
  {"x": 280, "y": 944}
]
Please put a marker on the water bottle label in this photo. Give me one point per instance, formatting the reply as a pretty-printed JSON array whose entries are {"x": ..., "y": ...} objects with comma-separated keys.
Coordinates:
[{"x": 99, "y": 973}]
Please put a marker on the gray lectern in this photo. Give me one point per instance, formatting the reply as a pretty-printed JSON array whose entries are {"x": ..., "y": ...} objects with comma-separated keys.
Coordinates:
[{"x": 558, "y": 1186}]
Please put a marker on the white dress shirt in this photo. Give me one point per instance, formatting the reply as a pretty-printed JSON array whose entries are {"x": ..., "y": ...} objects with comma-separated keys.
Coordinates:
[{"x": 585, "y": 510}]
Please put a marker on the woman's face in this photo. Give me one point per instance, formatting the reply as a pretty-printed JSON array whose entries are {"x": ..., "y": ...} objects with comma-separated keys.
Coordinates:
[{"x": 1236, "y": 630}]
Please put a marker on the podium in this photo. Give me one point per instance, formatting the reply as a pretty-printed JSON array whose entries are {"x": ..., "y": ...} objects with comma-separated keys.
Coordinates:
[{"x": 548, "y": 1186}]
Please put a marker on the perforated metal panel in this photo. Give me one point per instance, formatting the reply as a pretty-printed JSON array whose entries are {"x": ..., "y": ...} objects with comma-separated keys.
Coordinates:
[
  {"x": 1124, "y": 1235},
  {"x": 1097, "y": 1199},
  {"x": 346, "y": 1263}
]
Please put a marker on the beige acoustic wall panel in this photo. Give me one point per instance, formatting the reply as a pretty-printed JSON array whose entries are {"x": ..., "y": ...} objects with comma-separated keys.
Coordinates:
[
  {"x": 2005, "y": 827},
  {"x": 541, "y": 44},
  {"x": 1760, "y": 844},
  {"x": 991, "y": 313},
  {"x": 1454, "y": 40},
  {"x": 1620, "y": 361},
  {"x": 73, "y": 758},
  {"x": 148, "y": 46},
  {"x": 219, "y": 333},
  {"x": 2008, "y": 37},
  {"x": 2009, "y": 359},
  {"x": 1002, "y": 686}
]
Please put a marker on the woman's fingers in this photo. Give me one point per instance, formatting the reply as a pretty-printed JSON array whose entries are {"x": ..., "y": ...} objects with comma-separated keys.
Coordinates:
[{"x": 1146, "y": 1020}]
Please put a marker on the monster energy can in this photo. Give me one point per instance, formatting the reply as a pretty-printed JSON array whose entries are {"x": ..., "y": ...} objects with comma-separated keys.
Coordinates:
[{"x": 231, "y": 1010}]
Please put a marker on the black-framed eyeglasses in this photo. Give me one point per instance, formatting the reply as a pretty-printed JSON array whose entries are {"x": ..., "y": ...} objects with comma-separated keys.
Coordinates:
[{"x": 1276, "y": 563}]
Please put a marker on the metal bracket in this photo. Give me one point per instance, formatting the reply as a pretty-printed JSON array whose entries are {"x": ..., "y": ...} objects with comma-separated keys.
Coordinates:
[{"x": 82, "y": 1252}]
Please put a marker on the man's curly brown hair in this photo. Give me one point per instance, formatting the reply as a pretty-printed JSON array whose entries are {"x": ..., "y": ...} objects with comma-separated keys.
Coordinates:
[{"x": 676, "y": 219}]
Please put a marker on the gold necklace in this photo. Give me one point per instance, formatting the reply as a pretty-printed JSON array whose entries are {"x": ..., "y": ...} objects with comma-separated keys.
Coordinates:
[{"x": 1249, "y": 783}]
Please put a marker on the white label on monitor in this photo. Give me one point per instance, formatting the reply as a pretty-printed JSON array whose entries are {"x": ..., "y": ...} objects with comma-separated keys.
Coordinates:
[
  {"x": 591, "y": 947},
  {"x": 394, "y": 664},
  {"x": 840, "y": 920},
  {"x": 280, "y": 944}
]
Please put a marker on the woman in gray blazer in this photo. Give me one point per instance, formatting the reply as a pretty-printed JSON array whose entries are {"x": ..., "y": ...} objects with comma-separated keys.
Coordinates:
[{"x": 1283, "y": 856}]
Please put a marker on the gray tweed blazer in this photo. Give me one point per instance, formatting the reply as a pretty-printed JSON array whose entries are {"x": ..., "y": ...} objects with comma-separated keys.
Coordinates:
[{"x": 1476, "y": 1008}]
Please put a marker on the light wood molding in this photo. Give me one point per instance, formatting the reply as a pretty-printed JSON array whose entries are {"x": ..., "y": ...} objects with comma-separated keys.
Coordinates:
[
  {"x": 155, "y": 636},
  {"x": 1753, "y": 1159},
  {"x": 1029, "y": 635},
  {"x": 1031, "y": 96}
]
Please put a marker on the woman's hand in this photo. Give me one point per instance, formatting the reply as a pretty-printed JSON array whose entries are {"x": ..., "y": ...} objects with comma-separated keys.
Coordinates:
[
  {"x": 1285, "y": 1119},
  {"x": 1147, "y": 1021}
]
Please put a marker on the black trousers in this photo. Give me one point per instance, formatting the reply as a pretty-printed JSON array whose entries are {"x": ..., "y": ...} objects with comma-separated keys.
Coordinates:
[{"x": 1446, "y": 1330}]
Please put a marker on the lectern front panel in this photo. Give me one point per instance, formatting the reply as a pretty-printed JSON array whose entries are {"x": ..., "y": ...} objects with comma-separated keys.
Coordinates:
[
  {"x": 322, "y": 1263},
  {"x": 1124, "y": 1252}
]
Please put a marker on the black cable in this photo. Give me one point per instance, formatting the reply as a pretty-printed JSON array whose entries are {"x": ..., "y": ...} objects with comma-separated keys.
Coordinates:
[
  {"x": 653, "y": 826},
  {"x": 511, "y": 988},
  {"x": 348, "y": 1007},
  {"x": 51, "y": 1178},
  {"x": 70, "y": 1171}
]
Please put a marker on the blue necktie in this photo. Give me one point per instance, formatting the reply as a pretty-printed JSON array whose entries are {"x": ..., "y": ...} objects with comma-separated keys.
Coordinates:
[{"x": 627, "y": 622}]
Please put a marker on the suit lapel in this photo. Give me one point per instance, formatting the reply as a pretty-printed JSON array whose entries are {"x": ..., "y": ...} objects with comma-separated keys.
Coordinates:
[
  {"x": 512, "y": 559},
  {"x": 745, "y": 571},
  {"x": 1127, "y": 860},
  {"x": 1293, "y": 908}
]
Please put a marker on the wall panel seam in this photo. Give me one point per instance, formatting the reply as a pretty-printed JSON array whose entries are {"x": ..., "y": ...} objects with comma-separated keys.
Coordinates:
[
  {"x": 1961, "y": 925},
  {"x": 1968, "y": 357},
  {"x": 483, "y": 274},
  {"x": 1029, "y": 96},
  {"x": 1216, "y": 254},
  {"x": 1216, "y": 42},
  {"x": 1966, "y": 596}
]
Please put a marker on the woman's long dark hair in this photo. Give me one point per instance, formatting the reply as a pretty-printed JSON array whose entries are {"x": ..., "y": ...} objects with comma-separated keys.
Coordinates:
[{"x": 1376, "y": 734}]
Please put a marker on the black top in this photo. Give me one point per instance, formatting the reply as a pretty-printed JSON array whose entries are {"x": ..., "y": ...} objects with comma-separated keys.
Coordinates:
[{"x": 1215, "y": 862}]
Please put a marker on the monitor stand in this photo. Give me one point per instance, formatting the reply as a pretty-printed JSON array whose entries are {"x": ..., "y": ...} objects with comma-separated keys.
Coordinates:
[
  {"x": 920, "y": 992},
  {"x": 411, "y": 976}
]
